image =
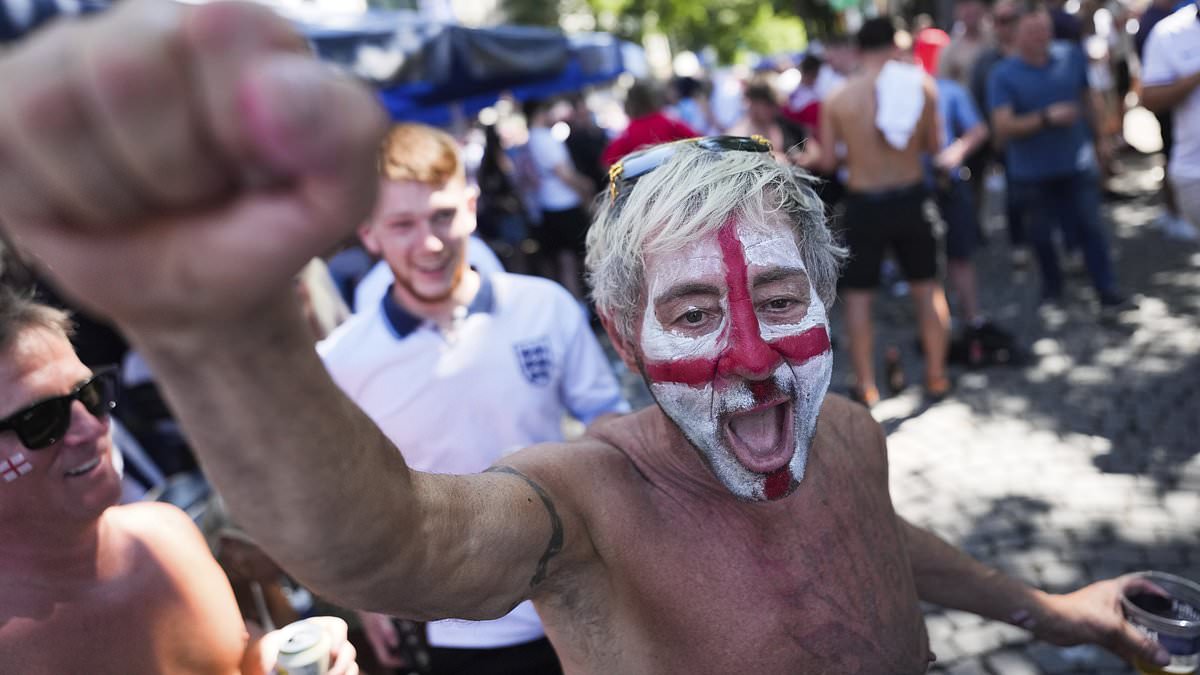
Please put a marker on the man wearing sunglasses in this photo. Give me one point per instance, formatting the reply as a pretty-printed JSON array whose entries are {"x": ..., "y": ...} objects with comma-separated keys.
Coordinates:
[
  {"x": 743, "y": 524},
  {"x": 90, "y": 587}
]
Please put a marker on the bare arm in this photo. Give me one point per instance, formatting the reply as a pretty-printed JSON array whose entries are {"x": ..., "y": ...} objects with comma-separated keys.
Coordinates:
[
  {"x": 946, "y": 576},
  {"x": 202, "y": 159},
  {"x": 950, "y": 578},
  {"x": 1009, "y": 125},
  {"x": 953, "y": 155},
  {"x": 826, "y": 161},
  {"x": 307, "y": 473},
  {"x": 931, "y": 139},
  {"x": 1162, "y": 98},
  {"x": 576, "y": 181}
]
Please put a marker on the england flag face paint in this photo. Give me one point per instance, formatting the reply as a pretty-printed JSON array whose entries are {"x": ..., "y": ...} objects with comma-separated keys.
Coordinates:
[
  {"x": 735, "y": 348},
  {"x": 14, "y": 467}
]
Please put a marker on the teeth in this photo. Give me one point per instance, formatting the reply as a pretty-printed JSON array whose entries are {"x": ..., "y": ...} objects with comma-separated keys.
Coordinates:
[{"x": 85, "y": 468}]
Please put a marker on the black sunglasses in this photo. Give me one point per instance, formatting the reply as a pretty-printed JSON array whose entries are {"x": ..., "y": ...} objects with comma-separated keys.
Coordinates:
[
  {"x": 45, "y": 422},
  {"x": 633, "y": 166}
]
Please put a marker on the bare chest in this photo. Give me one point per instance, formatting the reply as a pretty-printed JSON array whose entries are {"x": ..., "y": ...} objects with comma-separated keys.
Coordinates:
[
  {"x": 124, "y": 629},
  {"x": 822, "y": 585}
]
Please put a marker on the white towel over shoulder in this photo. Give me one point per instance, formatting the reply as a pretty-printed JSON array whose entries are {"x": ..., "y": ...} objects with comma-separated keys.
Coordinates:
[{"x": 899, "y": 100}]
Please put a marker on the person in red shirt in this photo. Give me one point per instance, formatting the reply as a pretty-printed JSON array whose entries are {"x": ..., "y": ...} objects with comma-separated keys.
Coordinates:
[{"x": 648, "y": 125}]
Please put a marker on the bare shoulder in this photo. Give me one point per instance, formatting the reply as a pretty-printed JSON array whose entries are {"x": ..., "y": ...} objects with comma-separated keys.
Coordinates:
[
  {"x": 573, "y": 468},
  {"x": 851, "y": 426},
  {"x": 164, "y": 529},
  {"x": 930, "y": 87}
]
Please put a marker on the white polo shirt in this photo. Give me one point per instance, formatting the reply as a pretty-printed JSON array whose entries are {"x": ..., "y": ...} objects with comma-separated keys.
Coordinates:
[
  {"x": 1173, "y": 52},
  {"x": 520, "y": 358}
]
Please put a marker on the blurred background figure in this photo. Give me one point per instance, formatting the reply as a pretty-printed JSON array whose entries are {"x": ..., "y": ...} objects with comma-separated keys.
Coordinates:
[
  {"x": 804, "y": 104},
  {"x": 586, "y": 142},
  {"x": 963, "y": 134},
  {"x": 790, "y": 141},
  {"x": 648, "y": 123},
  {"x": 563, "y": 197},
  {"x": 1158, "y": 69},
  {"x": 692, "y": 104},
  {"x": 886, "y": 116},
  {"x": 1171, "y": 71},
  {"x": 501, "y": 213},
  {"x": 970, "y": 37},
  {"x": 1040, "y": 104}
]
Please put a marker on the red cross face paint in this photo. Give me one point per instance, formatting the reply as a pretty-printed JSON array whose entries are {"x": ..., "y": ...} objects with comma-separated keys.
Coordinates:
[
  {"x": 14, "y": 467},
  {"x": 735, "y": 348}
]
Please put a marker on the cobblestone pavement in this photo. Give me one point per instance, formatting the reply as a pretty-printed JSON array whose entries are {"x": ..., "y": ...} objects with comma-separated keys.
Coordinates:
[{"x": 1082, "y": 464}]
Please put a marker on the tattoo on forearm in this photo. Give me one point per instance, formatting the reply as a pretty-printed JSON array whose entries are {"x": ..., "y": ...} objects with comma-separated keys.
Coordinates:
[{"x": 556, "y": 526}]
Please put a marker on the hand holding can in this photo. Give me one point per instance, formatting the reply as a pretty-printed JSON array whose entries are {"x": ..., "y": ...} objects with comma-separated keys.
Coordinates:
[{"x": 315, "y": 646}]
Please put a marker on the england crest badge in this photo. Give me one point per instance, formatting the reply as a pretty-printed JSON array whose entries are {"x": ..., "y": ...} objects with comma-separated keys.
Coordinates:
[{"x": 536, "y": 360}]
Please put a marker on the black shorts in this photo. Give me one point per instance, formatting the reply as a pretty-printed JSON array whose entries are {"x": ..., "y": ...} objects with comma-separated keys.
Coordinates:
[
  {"x": 1166, "y": 122},
  {"x": 563, "y": 231},
  {"x": 957, "y": 206},
  {"x": 903, "y": 220}
]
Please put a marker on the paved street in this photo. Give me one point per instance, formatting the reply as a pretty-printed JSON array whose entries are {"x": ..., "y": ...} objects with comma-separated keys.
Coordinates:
[
  {"x": 1084, "y": 464},
  {"x": 1081, "y": 465}
]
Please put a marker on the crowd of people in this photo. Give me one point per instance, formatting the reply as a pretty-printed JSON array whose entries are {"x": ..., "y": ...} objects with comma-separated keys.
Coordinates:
[{"x": 416, "y": 467}]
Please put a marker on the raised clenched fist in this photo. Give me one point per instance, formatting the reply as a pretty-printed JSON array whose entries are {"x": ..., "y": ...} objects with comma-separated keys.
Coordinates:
[{"x": 175, "y": 165}]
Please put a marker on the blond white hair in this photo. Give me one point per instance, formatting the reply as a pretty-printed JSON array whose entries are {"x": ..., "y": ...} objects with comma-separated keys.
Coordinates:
[{"x": 692, "y": 194}]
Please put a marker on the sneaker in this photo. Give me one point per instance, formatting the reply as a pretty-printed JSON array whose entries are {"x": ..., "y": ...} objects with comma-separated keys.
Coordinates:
[
  {"x": 1113, "y": 300},
  {"x": 865, "y": 397}
]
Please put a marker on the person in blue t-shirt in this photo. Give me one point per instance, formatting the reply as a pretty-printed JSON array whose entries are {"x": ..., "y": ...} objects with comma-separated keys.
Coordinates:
[
  {"x": 1039, "y": 101},
  {"x": 963, "y": 133}
]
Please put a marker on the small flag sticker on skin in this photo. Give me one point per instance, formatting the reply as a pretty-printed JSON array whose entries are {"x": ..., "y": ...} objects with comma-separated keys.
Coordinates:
[{"x": 14, "y": 467}]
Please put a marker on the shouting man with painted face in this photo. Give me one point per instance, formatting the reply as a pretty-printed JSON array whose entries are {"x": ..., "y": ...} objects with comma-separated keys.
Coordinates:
[{"x": 741, "y": 525}]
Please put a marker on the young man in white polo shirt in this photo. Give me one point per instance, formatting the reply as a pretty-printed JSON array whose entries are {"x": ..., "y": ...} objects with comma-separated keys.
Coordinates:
[
  {"x": 516, "y": 351},
  {"x": 1171, "y": 75}
]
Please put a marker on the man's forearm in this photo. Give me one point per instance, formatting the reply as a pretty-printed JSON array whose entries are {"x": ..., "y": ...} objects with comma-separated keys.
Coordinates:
[
  {"x": 1019, "y": 126},
  {"x": 1162, "y": 98},
  {"x": 948, "y": 577},
  {"x": 312, "y": 479}
]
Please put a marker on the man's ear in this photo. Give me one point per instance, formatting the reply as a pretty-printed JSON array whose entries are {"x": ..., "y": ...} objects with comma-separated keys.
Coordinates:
[
  {"x": 471, "y": 204},
  {"x": 624, "y": 349},
  {"x": 366, "y": 235}
]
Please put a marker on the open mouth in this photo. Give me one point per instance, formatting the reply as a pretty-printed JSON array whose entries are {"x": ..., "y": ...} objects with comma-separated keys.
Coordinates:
[
  {"x": 762, "y": 438},
  {"x": 83, "y": 469}
]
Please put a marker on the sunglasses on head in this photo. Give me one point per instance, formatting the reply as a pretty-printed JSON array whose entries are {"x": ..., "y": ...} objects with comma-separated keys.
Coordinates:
[
  {"x": 633, "y": 166},
  {"x": 45, "y": 422}
]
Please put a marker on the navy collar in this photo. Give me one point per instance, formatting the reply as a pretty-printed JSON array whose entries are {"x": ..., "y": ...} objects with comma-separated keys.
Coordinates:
[{"x": 403, "y": 322}]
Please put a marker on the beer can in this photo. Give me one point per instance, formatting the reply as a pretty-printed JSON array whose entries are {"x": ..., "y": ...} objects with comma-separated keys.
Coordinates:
[{"x": 304, "y": 651}]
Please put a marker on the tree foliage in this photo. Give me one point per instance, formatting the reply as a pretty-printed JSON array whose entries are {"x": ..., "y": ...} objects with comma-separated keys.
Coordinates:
[{"x": 728, "y": 26}]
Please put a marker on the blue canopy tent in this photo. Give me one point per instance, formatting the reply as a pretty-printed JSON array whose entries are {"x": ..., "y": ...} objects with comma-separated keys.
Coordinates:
[{"x": 435, "y": 73}]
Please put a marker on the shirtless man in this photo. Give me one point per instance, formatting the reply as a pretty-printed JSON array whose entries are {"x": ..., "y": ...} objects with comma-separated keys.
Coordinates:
[
  {"x": 724, "y": 530},
  {"x": 89, "y": 587},
  {"x": 886, "y": 207}
]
